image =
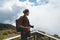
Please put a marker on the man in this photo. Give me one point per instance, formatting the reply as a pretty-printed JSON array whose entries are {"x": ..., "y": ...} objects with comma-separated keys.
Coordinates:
[{"x": 24, "y": 24}]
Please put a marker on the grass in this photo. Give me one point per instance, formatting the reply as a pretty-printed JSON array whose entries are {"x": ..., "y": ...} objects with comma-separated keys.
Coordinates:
[
  {"x": 17, "y": 39},
  {"x": 7, "y": 35},
  {"x": 10, "y": 33}
]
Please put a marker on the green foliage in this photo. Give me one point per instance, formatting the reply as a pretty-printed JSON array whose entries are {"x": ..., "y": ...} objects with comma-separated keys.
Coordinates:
[
  {"x": 55, "y": 35},
  {"x": 5, "y": 33},
  {"x": 6, "y": 26},
  {"x": 14, "y": 31},
  {"x": 7, "y": 30}
]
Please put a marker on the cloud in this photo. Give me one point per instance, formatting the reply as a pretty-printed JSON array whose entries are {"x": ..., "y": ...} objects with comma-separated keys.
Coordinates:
[
  {"x": 9, "y": 13},
  {"x": 6, "y": 15},
  {"x": 46, "y": 17},
  {"x": 44, "y": 14},
  {"x": 4, "y": 2}
]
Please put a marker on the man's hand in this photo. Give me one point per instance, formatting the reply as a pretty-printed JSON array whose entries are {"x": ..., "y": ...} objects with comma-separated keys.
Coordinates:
[{"x": 32, "y": 26}]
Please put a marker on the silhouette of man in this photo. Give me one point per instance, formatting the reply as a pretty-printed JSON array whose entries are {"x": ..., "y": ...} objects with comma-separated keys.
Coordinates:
[{"x": 24, "y": 24}]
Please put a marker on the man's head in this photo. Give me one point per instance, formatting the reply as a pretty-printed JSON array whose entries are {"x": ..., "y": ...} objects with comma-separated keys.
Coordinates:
[{"x": 26, "y": 12}]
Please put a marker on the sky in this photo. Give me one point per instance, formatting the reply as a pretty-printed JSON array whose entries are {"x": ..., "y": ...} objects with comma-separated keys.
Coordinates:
[{"x": 44, "y": 14}]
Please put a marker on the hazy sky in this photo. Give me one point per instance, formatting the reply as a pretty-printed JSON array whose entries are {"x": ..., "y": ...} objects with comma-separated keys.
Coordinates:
[{"x": 44, "y": 14}]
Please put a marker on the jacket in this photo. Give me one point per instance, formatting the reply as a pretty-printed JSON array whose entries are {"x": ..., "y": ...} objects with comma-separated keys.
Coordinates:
[{"x": 23, "y": 20}]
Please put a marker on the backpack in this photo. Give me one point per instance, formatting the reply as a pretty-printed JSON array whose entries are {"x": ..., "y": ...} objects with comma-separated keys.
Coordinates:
[{"x": 17, "y": 28}]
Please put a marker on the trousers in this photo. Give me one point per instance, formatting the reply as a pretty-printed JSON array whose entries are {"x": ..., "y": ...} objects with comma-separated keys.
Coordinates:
[{"x": 25, "y": 36}]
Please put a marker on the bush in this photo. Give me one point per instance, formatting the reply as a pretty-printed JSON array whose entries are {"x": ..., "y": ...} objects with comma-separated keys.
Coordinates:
[
  {"x": 5, "y": 33},
  {"x": 9, "y": 32},
  {"x": 14, "y": 32}
]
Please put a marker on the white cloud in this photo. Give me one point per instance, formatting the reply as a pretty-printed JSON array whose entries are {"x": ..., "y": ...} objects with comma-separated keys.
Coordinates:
[
  {"x": 9, "y": 12},
  {"x": 46, "y": 16}
]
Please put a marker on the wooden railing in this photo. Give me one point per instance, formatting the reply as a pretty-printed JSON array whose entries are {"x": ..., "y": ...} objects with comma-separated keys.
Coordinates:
[{"x": 36, "y": 35}]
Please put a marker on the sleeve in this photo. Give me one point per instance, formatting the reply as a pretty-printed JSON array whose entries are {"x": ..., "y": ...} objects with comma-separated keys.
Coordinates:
[{"x": 29, "y": 24}]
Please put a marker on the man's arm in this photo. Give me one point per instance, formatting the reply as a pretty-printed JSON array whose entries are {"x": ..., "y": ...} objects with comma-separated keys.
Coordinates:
[{"x": 23, "y": 27}]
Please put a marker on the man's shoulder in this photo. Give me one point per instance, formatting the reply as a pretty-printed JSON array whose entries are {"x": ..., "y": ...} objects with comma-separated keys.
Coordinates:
[{"x": 21, "y": 17}]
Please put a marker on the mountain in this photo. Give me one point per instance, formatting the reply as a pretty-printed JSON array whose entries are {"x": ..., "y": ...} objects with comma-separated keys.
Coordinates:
[{"x": 6, "y": 26}]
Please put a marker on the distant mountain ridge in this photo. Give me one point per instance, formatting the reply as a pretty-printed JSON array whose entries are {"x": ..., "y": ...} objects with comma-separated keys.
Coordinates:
[{"x": 6, "y": 26}]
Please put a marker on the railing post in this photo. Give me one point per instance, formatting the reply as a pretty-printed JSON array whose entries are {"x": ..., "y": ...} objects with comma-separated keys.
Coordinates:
[
  {"x": 35, "y": 36},
  {"x": 49, "y": 38}
]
